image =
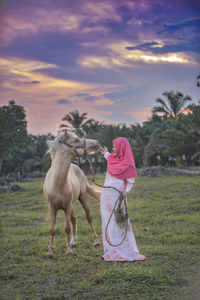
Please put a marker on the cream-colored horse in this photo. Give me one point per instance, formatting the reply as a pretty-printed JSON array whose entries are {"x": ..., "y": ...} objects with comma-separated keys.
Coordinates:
[{"x": 65, "y": 182}]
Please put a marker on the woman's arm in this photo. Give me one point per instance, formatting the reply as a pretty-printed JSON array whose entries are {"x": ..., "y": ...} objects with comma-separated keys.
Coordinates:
[
  {"x": 106, "y": 154},
  {"x": 130, "y": 184}
]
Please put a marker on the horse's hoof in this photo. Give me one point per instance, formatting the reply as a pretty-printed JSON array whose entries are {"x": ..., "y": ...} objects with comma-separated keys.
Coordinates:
[
  {"x": 97, "y": 244},
  {"x": 71, "y": 254},
  {"x": 49, "y": 256}
]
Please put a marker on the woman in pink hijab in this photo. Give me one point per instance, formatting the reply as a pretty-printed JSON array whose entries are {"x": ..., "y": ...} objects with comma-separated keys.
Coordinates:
[{"x": 121, "y": 173}]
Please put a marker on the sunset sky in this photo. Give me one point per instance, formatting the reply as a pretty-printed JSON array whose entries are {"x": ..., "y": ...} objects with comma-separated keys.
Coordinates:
[{"x": 111, "y": 59}]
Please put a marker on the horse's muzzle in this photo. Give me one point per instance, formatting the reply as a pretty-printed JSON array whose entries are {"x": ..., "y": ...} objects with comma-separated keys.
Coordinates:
[{"x": 94, "y": 146}]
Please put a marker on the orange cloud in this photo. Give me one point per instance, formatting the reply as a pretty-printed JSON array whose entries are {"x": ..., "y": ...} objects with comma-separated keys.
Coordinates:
[
  {"x": 120, "y": 57},
  {"x": 141, "y": 114}
]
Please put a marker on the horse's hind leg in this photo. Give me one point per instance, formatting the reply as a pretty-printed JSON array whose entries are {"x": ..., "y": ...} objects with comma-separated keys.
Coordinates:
[
  {"x": 52, "y": 212},
  {"x": 84, "y": 202},
  {"x": 74, "y": 230}
]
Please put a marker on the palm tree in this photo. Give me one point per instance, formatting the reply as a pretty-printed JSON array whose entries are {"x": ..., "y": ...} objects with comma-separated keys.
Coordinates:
[
  {"x": 193, "y": 120},
  {"x": 173, "y": 104},
  {"x": 76, "y": 122},
  {"x": 140, "y": 138},
  {"x": 198, "y": 80},
  {"x": 156, "y": 143}
]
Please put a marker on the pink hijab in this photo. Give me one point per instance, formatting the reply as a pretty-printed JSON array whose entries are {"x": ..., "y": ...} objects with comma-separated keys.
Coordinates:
[{"x": 122, "y": 165}]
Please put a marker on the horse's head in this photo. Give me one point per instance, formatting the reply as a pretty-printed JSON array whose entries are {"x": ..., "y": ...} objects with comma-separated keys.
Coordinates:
[{"x": 77, "y": 146}]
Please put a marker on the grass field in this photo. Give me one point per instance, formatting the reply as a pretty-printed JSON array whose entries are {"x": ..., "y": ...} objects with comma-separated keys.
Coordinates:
[{"x": 165, "y": 217}]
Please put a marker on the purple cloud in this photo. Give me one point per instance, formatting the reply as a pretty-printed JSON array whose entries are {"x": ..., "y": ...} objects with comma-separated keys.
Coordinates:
[
  {"x": 170, "y": 28},
  {"x": 32, "y": 82},
  {"x": 87, "y": 97},
  {"x": 82, "y": 95},
  {"x": 144, "y": 46},
  {"x": 63, "y": 101},
  {"x": 191, "y": 45}
]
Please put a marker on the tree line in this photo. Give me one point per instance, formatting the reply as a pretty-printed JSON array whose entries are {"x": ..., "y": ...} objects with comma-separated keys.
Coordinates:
[{"x": 171, "y": 136}]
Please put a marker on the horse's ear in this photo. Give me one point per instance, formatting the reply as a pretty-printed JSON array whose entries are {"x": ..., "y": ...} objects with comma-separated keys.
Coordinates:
[
  {"x": 64, "y": 137},
  {"x": 65, "y": 133}
]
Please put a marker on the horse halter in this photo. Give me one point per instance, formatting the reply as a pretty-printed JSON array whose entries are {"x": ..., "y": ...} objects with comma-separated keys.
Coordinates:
[{"x": 76, "y": 147}]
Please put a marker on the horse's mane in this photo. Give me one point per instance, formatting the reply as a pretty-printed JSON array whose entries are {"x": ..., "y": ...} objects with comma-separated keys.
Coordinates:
[{"x": 53, "y": 145}]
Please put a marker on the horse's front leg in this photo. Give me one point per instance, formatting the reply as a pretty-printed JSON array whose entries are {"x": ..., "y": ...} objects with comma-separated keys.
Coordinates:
[
  {"x": 52, "y": 212},
  {"x": 74, "y": 229},
  {"x": 68, "y": 229}
]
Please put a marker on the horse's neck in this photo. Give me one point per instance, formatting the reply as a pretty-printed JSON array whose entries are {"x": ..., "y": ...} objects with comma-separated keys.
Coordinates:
[{"x": 60, "y": 167}]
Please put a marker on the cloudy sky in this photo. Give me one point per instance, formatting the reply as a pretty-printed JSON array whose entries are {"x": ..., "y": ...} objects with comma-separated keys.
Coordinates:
[{"x": 109, "y": 58}]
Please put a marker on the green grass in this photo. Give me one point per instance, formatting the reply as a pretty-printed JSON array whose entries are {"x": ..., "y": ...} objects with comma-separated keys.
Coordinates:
[{"x": 164, "y": 213}]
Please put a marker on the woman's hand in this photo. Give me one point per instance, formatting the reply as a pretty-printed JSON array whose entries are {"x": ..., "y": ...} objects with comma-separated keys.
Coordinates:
[
  {"x": 103, "y": 150},
  {"x": 125, "y": 194}
]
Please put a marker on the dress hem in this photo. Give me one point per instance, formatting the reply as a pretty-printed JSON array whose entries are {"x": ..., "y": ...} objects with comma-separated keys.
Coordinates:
[{"x": 141, "y": 257}]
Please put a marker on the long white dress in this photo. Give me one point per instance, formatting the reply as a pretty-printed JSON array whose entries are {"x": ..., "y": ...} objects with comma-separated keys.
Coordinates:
[{"x": 128, "y": 250}]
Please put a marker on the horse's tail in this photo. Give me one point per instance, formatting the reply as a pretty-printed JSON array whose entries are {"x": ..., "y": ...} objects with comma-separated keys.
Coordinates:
[{"x": 94, "y": 191}]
